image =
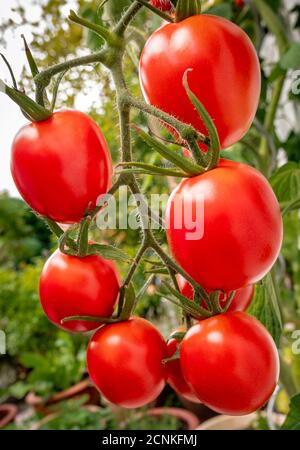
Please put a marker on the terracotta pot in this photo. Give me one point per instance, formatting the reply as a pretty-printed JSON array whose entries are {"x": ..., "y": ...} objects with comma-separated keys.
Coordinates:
[
  {"x": 228, "y": 422},
  {"x": 191, "y": 421},
  {"x": 8, "y": 412},
  {"x": 81, "y": 388}
]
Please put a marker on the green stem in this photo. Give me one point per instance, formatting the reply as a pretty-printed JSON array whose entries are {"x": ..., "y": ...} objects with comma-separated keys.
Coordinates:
[
  {"x": 144, "y": 246},
  {"x": 276, "y": 27},
  {"x": 264, "y": 149},
  {"x": 127, "y": 18},
  {"x": 273, "y": 22},
  {"x": 287, "y": 380},
  {"x": 42, "y": 79},
  {"x": 170, "y": 263},
  {"x": 83, "y": 237},
  {"x": 187, "y": 132}
]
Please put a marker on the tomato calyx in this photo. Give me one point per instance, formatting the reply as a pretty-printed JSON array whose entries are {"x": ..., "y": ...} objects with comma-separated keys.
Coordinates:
[
  {"x": 30, "y": 109},
  {"x": 201, "y": 164},
  {"x": 126, "y": 304},
  {"x": 186, "y": 9}
]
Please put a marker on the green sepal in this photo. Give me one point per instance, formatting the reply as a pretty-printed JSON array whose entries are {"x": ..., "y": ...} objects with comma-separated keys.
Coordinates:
[
  {"x": 215, "y": 146},
  {"x": 111, "y": 38},
  {"x": 174, "y": 157},
  {"x": 108, "y": 252},
  {"x": 150, "y": 169},
  {"x": 187, "y": 8},
  {"x": 33, "y": 111}
]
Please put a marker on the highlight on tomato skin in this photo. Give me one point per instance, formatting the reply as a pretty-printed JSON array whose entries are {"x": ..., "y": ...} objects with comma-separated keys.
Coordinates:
[
  {"x": 73, "y": 286},
  {"x": 175, "y": 376},
  {"x": 240, "y": 302},
  {"x": 124, "y": 361},
  {"x": 61, "y": 165},
  {"x": 242, "y": 226},
  {"x": 206, "y": 44},
  {"x": 212, "y": 348}
]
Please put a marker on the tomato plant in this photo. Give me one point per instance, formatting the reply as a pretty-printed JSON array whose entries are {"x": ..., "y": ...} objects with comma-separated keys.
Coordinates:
[
  {"x": 175, "y": 376},
  {"x": 242, "y": 227},
  {"x": 240, "y": 302},
  {"x": 231, "y": 363},
  {"x": 72, "y": 286},
  {"x": 212, "y": 47},
  {"x": 125, "y": 362},
  {"x": 200, "y": 77},
  {"x": 61, "y": 165}
]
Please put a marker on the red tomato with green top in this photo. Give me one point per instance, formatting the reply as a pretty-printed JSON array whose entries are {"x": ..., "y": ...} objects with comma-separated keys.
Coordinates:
[
  {"x": 73, "y": 286},
  {"x": 225, "y": 73},
  {"x": 224, "y": 227},
  {"x": 231, "y": 363},
  {"x": 61, "y": 165},
  {"x": 125, "y": 362}
]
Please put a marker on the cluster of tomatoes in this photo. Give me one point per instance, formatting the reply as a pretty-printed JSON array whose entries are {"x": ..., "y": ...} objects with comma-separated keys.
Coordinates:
[{"x": 62, "y": 165}]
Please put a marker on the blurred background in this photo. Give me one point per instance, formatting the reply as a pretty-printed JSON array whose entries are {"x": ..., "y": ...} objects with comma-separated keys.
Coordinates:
[{"x": 43, "y": 379}]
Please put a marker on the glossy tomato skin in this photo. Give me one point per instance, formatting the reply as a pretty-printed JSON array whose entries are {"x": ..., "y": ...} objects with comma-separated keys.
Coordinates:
[
  {"x": 241, "y": 300},
  {"x": 175, "y": 377},
  {"x": 227, "y": 84},
  {"x": 73, "y": 286},
  {"x": 241, "y": 224},
  {"x": 125, "y": 362},
  {"x": 61, "y": 165},
  {"x": 231, "y": 363}
]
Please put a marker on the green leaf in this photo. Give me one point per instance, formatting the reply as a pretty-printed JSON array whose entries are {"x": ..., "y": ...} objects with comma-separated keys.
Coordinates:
[
  {"x": 265, "y": 308},
  {"x": 32, "y": 360},
  {"x": 276, "y": 72},
  {"x": 291, "y": 58},
  {"x": 223, "y": 10},
  {"x": 292, "y": 422},
  {"x": 108, "y": 252},
  {"x": 286, "y": 183}
]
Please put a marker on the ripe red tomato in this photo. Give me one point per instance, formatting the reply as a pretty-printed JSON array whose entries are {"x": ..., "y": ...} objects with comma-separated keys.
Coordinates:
[
  {"x": 241, "y": 300},
  {"x": 125, "y": 362},
  {"x": 227, "y": 84},
  {"x": 175, "y": 377},
  {"x": 231, "y": 363},
  {"x": 163, "y": 5},
  {"x": 73, "y": 286},
  {"x": 61, "y": 165},
  {"x": 239, "y": 3},
  {"x": 241, "y": 221}
]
